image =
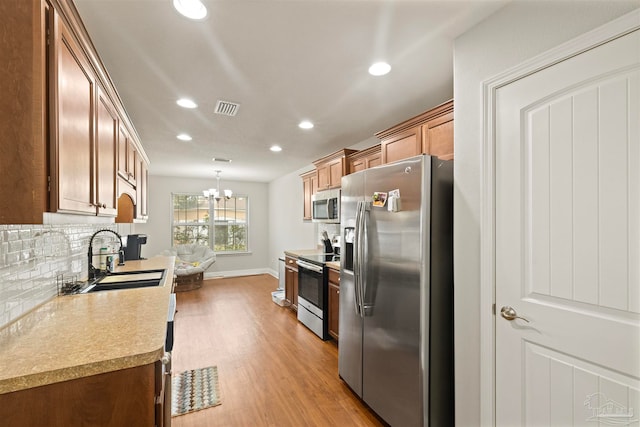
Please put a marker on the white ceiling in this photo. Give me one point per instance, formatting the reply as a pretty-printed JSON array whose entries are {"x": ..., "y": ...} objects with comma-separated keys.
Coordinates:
[{"x": 282, "y": 61}]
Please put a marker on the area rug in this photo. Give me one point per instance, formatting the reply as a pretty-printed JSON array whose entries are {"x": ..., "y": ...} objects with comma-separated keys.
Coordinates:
[{"x": 194, "y": 390}]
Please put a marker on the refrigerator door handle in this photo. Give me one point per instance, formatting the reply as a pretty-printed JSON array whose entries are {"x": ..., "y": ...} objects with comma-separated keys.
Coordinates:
[
  {"x": 360, "y": 243},
  {"x": 364, "y": 251},
  {"x": 357, "y": 259}
]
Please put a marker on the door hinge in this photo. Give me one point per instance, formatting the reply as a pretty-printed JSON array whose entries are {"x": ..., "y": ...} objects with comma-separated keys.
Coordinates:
[{"x": 49, "y": 183}]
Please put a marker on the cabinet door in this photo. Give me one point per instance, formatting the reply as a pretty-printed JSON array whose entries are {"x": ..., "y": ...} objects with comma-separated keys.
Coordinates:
[
  {"x": 105, "y": 149},
  {"x": 357, "y": 165},
  {"x": 324, "y": 177},
  {"x": 73, "y": 124},
  {"x": 334, "y": 303},
  {"x": 123, "y": 141},
  {"x": 308, "y": 189},
  {"x": 438, "y": 137},
  {"x": 291, "y": 282},
  {"x": 374, "y": 160},
  {"x": 132, "y": 162},
  {"x": 143, "y": 191},
  {"x": 336, "y": 171},
  {"x": 403, "y": 145}
]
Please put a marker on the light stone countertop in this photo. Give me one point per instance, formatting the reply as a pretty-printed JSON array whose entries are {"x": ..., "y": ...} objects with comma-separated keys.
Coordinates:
[
  {"x": 76, "y": 336},
  {"x": 302, "y": 252}
]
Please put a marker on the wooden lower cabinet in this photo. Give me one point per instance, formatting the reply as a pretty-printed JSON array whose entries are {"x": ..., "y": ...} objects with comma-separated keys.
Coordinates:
[
  {"x": 128, "y": 397},
  {"x": 291, "y": 282},
  {"x": 334, "y": 303}
]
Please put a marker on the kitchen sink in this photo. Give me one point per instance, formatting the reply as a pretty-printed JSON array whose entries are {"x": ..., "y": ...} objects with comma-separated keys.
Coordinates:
[{"x": 126, "y": 280}]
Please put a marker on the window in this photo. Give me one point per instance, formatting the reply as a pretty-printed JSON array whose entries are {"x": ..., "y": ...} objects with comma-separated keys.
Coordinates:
[{"x": 220, "y": 224}]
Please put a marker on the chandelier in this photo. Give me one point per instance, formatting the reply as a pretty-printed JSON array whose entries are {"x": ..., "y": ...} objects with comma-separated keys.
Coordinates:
[{"x": 215, "y": 192}]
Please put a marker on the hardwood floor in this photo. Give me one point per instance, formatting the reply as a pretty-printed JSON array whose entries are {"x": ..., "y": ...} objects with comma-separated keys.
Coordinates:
[{"x": 273, "y": 371}]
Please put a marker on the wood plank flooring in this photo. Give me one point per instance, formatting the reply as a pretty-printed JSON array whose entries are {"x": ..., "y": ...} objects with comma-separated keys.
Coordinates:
[{"x": 273, "y": 371}]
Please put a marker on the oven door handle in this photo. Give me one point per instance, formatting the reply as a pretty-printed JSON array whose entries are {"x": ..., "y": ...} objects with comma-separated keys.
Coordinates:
[{"x": 309, "y": 266}]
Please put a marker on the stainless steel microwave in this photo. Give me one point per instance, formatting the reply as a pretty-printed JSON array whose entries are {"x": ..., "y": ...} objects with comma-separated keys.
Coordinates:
[{"x": 325, "y": 206}]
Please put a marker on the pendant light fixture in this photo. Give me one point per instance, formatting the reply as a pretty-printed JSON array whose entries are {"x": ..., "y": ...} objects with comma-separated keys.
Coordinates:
[{"x": 215, "y": 192}]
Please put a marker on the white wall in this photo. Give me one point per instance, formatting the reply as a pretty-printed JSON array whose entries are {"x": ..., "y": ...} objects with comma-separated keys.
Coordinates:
[
  {"x": 158, "y": 227},
  {"x": 514, "y": 34},
  {"x": 287, "y": 229}
]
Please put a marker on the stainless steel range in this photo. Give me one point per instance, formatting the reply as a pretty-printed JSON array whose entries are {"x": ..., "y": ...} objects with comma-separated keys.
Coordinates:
[{"x": 312, "y": 293}]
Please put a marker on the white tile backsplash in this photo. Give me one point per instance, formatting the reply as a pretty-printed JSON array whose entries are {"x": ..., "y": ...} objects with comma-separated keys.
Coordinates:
[{"x": 31, "y": 256}]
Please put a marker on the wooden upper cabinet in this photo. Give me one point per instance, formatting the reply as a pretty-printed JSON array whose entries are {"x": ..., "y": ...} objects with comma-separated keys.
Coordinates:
[
  {"x": 142, "y": 211},
  {"x": 365, "y": 159},
  {"x": 58, "y": 153},
  {"x": 428, "y": 133},
  {"x": 437, "y": 137},
  {"x": 73, "y": 135},
  {"x": 309, "y": 187},
  {"x": 127, "y": 156},
  {"x": 106, "y": 142},
  {"x": 332, "y": 168}
]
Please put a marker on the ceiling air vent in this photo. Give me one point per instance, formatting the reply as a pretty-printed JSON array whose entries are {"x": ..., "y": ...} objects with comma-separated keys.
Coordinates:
[{"x": 226, "y": 108}]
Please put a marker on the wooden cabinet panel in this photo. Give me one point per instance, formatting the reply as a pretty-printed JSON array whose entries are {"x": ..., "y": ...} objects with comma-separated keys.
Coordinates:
[
  {"x": 106, "y": 145},
  {"x": 438, "y": 137},
  {"x": 401, "y": 146},
  {"x": 334, "y": 303},
  {"x": 291, "y": 282},
  {"x": 365, "y": 159},
  {"x": 74, "y": 90},
  {"x": 430, "y": 133},
  {"x": 56, "y": 156},
  {"x": 127, "y": 156},
  {"x": 336, "y": 172},
  {"x": 331, "y": 169},
  {"x": 324, "y": 177},
  {"x": 142, "y": 192},
  {"x": 309, "y": 187},
  {"x": 121, "y": 398}
]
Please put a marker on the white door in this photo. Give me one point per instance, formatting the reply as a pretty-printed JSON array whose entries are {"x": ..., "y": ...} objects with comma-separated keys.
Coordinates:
[{"x": 567, "y": 241}]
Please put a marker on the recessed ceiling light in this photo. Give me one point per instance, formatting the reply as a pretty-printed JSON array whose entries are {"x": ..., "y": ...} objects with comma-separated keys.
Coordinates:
[
  {"x": 305, "y": 124},
  {"x": 275, "y": 148},
  {"x": 184, "y": 137},
  {"x": 186, "y": 103},
  {"x": 379, "y": 69},
  {"x": 192, "y": 9}
]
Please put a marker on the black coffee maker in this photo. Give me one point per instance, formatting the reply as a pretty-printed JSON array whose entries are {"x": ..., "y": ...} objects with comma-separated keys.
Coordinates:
[{"x": 134, "y": 246}]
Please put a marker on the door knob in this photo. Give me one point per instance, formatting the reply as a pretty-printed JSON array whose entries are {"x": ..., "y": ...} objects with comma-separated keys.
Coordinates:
[{"x": 510, "y": 314}]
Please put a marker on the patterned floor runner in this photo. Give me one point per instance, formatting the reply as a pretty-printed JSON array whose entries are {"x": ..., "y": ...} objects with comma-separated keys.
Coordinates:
[{"x": 194, "y": 390}]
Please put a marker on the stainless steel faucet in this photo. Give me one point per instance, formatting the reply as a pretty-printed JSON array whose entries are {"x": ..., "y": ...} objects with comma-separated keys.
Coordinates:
[{"x": 92, "y": 269}]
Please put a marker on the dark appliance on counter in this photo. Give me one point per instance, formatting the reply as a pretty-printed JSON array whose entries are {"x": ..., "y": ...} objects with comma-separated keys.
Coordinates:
[
  {"x": 133, "y": 249},
  {"x": 396, "y": 290},
  {"x": 313, "y": 288}
]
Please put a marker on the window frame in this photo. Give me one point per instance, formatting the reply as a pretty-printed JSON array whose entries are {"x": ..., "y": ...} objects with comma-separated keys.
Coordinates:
[{"x": 212, "y": 222}]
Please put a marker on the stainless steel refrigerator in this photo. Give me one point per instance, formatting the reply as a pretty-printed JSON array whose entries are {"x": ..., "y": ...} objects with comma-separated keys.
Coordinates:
[{"x": 396, "y": 290}]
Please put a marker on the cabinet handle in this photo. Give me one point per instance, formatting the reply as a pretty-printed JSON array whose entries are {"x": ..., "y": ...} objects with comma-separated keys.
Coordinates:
[{"x": 338, "y": 292}]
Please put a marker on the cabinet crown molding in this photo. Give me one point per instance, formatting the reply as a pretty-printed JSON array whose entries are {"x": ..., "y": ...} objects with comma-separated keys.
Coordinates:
[
  {"x": 432, "y": 113},
  {"x": 333, "y": 156}
]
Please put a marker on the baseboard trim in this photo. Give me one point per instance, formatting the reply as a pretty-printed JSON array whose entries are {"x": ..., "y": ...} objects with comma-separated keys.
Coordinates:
[{"x": 237, "y": 273}]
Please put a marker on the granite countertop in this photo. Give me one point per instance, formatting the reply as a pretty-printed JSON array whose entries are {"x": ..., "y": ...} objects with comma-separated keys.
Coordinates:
[
  {"x": 334, "y": 265},
  {"x": 77, "y": 336},
  {"x": 295, "y": 253}
]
